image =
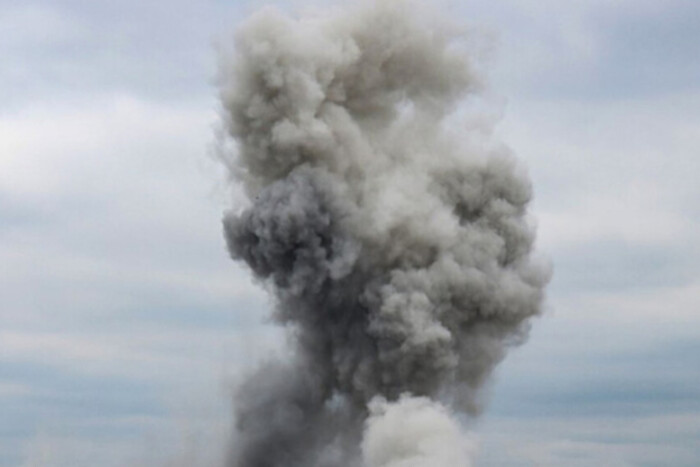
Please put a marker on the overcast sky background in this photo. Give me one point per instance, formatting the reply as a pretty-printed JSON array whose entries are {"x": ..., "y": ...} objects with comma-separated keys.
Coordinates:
[{"x": 123, "y": 324}]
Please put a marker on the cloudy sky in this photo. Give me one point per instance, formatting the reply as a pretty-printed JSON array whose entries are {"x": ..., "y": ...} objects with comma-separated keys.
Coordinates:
[{"x": 123, "y": 324}]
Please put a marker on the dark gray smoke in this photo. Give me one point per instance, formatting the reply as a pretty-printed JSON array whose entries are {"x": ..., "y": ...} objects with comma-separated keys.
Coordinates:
[{"x": 396, "y": 244}]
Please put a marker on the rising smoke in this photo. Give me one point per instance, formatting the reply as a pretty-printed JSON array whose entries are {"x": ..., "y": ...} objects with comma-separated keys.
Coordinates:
[{"x": 398, "y": 250}]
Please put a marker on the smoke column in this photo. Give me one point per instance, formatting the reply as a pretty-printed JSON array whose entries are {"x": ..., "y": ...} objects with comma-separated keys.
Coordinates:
[{"x": 397, "y": 249}]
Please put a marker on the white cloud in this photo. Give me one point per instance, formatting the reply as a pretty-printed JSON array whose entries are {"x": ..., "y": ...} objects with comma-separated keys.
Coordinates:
[{"x": 620, "y": 171}]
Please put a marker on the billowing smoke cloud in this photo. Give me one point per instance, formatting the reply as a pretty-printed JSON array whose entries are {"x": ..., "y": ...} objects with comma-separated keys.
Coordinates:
[{"x": 396, "y": 243}]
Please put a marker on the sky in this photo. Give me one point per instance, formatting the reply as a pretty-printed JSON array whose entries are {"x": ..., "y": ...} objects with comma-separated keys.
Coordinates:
[{"x": 124, "y": 325}]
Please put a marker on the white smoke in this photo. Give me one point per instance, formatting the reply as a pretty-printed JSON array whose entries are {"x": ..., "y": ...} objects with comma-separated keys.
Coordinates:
[
  {"x": 398, "y": 250},
  {"x": 414, "y": 432}
]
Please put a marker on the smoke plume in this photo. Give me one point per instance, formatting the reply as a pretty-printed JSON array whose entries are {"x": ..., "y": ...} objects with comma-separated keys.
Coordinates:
[{"x": 396, "y": 244}]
